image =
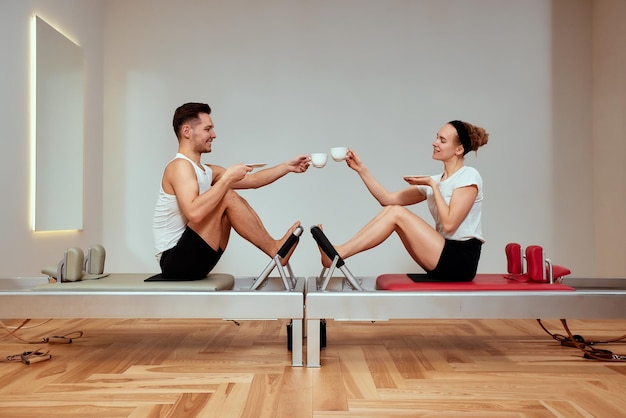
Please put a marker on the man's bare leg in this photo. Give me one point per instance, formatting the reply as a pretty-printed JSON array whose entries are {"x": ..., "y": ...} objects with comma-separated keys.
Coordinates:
[
  {"x": 235, "y": 212},
  {"x": 284, "y": 260}
]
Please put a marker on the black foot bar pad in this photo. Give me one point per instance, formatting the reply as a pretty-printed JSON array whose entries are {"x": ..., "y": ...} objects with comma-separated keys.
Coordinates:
[
  {"x": 325, "y": 245},
  {"x": 291, "y": 241}
]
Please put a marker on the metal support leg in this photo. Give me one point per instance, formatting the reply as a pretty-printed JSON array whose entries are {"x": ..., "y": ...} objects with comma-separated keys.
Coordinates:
[
  {"x": 313, "y": 343},
  {"x": 296, "y": 343}
]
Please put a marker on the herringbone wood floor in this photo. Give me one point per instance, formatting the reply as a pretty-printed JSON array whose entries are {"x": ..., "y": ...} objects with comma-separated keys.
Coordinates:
[{"x": 213, "y": 368}]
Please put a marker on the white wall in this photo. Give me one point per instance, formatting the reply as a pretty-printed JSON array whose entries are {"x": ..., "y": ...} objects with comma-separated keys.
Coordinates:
[
  {"x": 290, "y": 77},
  {"x": 609, "y": 137},
  {"x": 572, "y": 163},
  {"x": 23, "y": 252},
  {"x": 287, "y": 77}
]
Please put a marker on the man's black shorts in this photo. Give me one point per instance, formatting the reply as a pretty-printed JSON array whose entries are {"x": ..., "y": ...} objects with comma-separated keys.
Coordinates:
[{"x": 190, "y": 259}]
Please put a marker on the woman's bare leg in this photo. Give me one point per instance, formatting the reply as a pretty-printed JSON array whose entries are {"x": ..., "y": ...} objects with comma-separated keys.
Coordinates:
[{"x": 423, "y": 243}]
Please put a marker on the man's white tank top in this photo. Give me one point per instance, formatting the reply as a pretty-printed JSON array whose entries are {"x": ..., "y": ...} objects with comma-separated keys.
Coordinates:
[{"x": 169, "y": 223}]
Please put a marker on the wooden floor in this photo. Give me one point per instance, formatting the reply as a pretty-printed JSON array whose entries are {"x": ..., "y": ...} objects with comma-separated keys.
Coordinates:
[{"x": 213, "y": 368}]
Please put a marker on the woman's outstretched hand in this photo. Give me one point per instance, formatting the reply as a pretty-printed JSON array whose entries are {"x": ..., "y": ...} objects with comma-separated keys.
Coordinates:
[
  {"x": 354, "y": 162},
  {"x": 419, "y": 180}
]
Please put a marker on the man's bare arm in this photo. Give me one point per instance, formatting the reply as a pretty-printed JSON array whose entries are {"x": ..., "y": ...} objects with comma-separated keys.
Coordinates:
[
  {"x": 269, "y": 175},
  {"x": 180, "y": 180}
]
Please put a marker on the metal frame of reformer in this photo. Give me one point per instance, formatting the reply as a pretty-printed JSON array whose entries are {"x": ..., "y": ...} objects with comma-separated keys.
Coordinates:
[
  {"x": 336, "y": 261},
  {"x": 289, "y": 281},
  {"x": 592, "y": 299},
  {"x": 19, "y": 300},
  {"x": 281, "y": 297}
]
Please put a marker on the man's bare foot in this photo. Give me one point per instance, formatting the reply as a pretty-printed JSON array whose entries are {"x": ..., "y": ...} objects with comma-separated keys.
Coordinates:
[
  {"x": 290, "y": 232},
  {"x": 326, "y": 261}
]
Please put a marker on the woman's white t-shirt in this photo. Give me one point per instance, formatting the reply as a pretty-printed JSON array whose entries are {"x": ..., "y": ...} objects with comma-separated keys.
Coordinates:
[{"x": 471, "y": 226}]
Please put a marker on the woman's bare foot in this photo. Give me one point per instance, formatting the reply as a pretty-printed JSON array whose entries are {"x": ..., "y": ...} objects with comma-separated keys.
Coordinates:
[{"x": 326, "y": 261}]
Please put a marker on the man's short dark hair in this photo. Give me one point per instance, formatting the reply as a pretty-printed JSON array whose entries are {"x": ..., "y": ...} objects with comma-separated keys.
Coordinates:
[{"x": 187, "y": 113}]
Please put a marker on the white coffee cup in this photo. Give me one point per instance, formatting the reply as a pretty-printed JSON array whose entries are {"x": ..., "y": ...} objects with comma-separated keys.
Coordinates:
[
  {"x": 339, "y": 153},
  {"x": 318, "y": 159}
]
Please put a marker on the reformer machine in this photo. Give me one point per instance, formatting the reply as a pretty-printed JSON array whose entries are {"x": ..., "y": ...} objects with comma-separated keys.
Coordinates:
[
  {"x": 351, "y": 298},
  {"x": 118, "y": 295}
]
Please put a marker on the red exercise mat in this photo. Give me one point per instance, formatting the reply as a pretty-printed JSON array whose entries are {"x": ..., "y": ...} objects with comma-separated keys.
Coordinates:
[{"x": 481, "y": 282}]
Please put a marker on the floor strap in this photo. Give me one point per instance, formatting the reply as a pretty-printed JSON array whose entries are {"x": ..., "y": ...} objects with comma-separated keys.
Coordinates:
[
  {"x": 41, "y": 353},
  {"x": 29, "y": 357},
  {"x": 586, "y": 346},
  {"x": 55, "y": 339}
]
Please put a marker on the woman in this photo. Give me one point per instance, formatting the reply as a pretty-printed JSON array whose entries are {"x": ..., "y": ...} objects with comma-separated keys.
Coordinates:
[{"x": 451, "y": 250}]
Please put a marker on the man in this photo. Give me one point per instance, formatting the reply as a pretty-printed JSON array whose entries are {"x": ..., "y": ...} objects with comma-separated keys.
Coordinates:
[{"x": 197, "y": 204}]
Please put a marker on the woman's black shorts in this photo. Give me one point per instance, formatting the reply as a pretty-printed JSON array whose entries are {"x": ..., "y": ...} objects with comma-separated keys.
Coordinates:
[{"x": 458, "y": 261}]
